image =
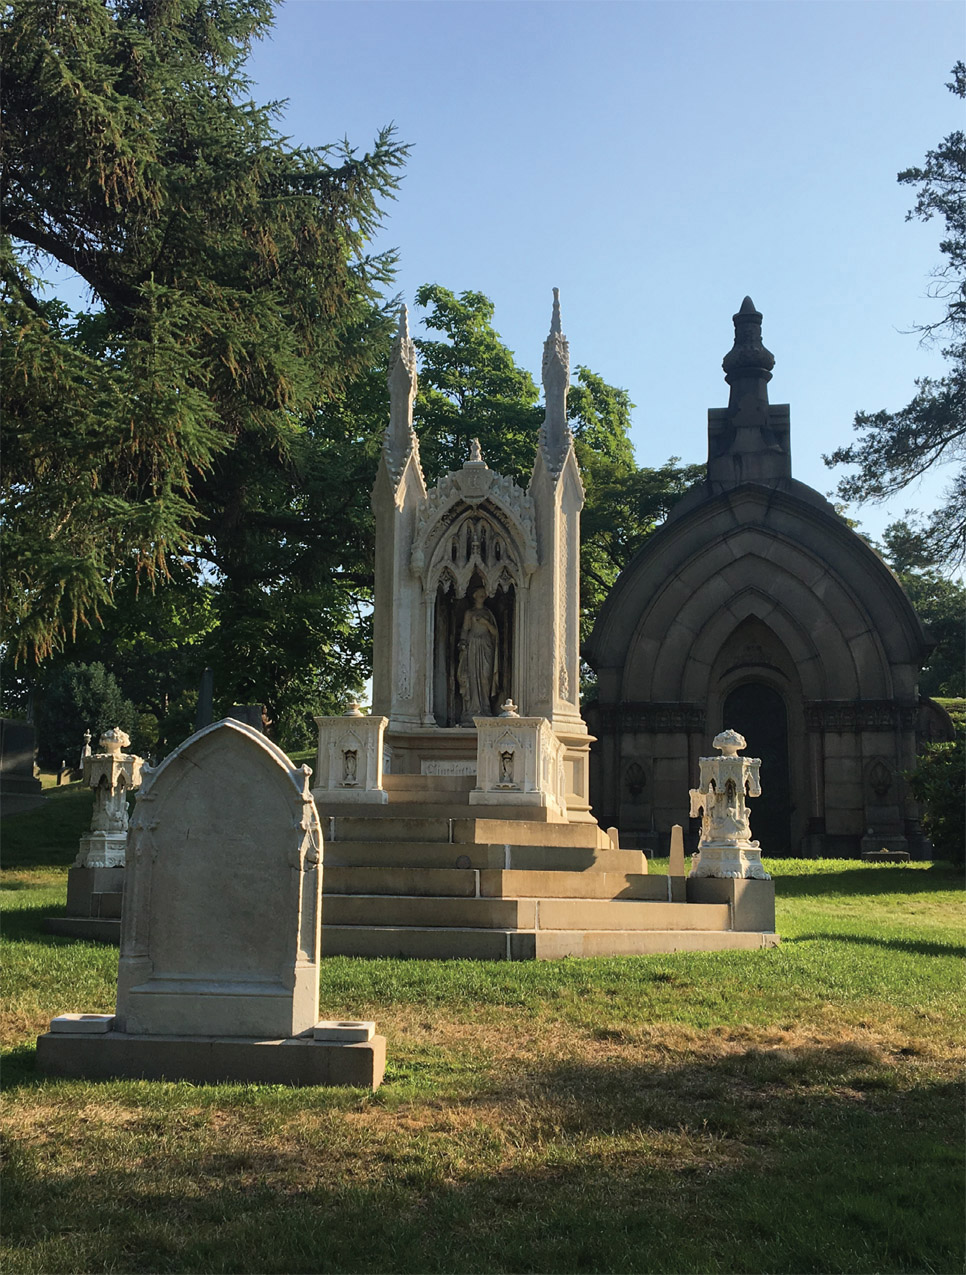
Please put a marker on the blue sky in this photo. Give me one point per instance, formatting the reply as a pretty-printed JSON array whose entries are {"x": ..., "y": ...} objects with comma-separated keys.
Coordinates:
[{"x": 657, "y": 161}]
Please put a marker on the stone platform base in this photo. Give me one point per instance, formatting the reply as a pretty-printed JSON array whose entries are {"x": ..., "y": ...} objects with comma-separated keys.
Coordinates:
[
  {"x": 92, "y": 929},
  {"x": 885, "y": 856},
  {"x": 201, "y": 1060},
  {"x": 94, "y": 898}
]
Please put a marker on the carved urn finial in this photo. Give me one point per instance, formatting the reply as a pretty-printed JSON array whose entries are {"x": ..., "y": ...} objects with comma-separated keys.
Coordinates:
[
  {"x": 476, "y": 453},
  {"x": 114, "y": 741},
  {"x": 729, "y": 742},
  {"x": 748, "y": 357}
]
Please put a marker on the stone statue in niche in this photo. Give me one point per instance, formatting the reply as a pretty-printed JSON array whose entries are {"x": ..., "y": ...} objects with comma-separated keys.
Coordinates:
[
  {"x": 478, "y": 668},
  {"x": 350, "y": 767},
  {"x": 506, "y": 768}
]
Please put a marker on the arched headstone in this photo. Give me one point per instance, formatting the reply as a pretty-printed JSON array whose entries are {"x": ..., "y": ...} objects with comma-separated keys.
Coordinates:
[
  {"x": 220, "y": 929},
  {"x": 219, "y": 972}
]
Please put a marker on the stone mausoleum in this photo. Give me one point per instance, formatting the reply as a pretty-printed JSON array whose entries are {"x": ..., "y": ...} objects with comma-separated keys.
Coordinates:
[{"x": 756, "y": 607}]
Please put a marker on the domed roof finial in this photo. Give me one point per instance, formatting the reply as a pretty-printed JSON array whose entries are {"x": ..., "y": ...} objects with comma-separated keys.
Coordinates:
[
  {"x": 748, "y": 441},
  {"x": 748, "y": 357}
]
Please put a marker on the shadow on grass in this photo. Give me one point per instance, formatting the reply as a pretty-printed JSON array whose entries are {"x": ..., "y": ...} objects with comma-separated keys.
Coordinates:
[
  {"x": 881, "y": 879},
  {"x": 791, "y": 1160},
  {"x": 26, "y": 925},
  {"x": 915, "y": 947}
]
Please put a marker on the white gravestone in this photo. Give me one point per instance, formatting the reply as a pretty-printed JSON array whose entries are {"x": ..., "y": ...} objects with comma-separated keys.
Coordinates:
[
  {"x": 726, "y": 848},
  {"x": 219, "y": 970},
  {"x": 220, "y": 928}
]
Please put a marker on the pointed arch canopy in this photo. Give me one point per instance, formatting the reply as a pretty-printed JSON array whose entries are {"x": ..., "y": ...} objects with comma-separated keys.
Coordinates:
[
  {"x": 475, "y": 522},
  {"x": 781, "y": 555}
]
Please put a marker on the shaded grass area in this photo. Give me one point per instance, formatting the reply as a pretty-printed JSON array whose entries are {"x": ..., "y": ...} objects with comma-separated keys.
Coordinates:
[
  {"x": 47, "y": 836},
  {"x": 795, "y": 1109}
]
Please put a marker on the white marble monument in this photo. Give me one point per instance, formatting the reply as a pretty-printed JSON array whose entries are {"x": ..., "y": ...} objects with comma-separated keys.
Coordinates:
[
  {"x": 726, "y": 849},
  {"x": 477, "y": 588},
  {"x": 349, "y": 761},
  {"x": 112, "y": 773}
]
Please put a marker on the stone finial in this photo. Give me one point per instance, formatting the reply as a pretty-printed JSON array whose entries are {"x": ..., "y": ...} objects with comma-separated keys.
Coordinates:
[
  {"x": 748, "y": 357},
  {"x": 508, "y": 709},
  {"x": 555, "y": 436},
  {"x": 748, "y": 441},
  {"x": 400, "y": 442},
  {"x": 729, "y": 742},
  {"x": 114, "y": 741},
  {"x": 353, "y": 710},
  {"x": 476, "y": 453}
]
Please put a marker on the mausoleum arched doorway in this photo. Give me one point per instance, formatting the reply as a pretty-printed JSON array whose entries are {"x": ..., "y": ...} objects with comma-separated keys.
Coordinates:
[{"x": 758, "y": 712}]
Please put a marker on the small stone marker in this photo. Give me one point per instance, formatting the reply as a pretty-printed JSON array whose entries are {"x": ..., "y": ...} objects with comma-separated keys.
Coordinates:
[
  {"x": 676, "y": 888},
  {"x": 219, "y": 972},
  {"x": 676, "y": 864},
  {"x": 82, "y": 1024},
  {"x": 334, "y": 1030}
]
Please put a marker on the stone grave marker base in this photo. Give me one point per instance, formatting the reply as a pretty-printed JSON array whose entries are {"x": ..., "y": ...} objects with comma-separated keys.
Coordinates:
[{"x": 205, "y": 1060}]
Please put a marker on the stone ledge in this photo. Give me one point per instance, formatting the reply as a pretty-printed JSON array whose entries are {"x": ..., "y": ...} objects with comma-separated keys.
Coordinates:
[
  {"x": 89, "y": 928},
  {"x": 203, "y": 1060}
]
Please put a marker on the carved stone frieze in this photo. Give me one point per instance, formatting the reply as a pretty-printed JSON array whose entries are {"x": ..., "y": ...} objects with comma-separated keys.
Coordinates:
[
  {"x": 659, "y": 718},
  {"x": 859, "y": 715}
]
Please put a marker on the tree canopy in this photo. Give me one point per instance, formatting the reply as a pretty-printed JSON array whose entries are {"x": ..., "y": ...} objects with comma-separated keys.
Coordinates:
[
  {"x": 233, "y": 294},
  {"x": 939, "y": 602},
  {"x": 895, "y": 448}
]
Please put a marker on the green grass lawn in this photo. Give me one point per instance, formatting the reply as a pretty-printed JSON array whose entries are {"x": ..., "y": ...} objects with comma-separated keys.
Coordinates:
[{"x": 796, "y": 1109}]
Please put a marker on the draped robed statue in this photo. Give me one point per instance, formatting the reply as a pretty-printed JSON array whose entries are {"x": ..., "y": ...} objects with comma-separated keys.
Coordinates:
[{"x": 478, "y": 671}]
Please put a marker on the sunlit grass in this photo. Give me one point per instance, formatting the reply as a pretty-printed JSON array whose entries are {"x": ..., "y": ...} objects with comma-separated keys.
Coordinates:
[{"x": 794, "y": 1109}]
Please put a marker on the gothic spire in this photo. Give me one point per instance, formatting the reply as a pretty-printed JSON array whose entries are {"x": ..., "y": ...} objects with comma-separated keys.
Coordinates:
[
  {"x": 400, "y": 439},
  {"x": 555, "y": 436}
]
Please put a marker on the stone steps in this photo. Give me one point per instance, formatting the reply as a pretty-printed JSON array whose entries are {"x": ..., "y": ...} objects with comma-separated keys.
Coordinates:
[
  {"x": 447, "y": 912},
  {"x": 449, "y": 854},
  {"x": 381, "y": 824},
  {"x": 430, "y": 790},
  {"x": 517, "y": 945},
  {"x": 492, "y": 884}
]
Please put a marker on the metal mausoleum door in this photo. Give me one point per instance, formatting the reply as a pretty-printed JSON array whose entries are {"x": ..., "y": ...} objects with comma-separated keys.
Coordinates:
[{"x": 758, "y": 712}]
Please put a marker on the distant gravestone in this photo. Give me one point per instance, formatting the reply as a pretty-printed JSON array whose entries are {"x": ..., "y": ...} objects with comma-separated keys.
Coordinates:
[
  {"x": 19, "y": 789},
  {"x": 250, "y": 714},
  {"x": 219, "y": 970}
]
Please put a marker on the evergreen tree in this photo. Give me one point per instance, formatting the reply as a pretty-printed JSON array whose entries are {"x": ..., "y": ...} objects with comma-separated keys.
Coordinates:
[
  {"x": 895, "y": 448},
  {"x": 232, "y": 289}
]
